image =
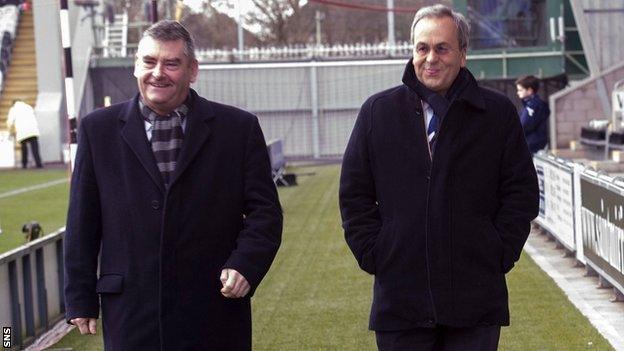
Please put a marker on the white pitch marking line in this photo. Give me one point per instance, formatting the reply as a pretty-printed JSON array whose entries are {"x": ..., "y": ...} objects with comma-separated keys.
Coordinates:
[{"x": 32, "y": 188}]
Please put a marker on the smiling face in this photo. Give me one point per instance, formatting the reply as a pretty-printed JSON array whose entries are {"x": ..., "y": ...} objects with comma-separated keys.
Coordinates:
[
  {"x": 437, "y": 55},
  {"x": 164, "y": 74}
]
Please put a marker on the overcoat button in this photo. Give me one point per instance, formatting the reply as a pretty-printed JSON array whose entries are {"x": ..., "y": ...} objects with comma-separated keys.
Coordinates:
[{"x": 155, "y": 204}]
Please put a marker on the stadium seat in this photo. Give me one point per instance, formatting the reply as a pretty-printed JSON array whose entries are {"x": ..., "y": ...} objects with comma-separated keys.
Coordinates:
[
  {"x": 6, "y": 38},
  {"x": 278, "y": 163},
  {"x": 3, "y": 66},
  {"x": 5, "y": 57},
  {"x": 9, "y": 17}
]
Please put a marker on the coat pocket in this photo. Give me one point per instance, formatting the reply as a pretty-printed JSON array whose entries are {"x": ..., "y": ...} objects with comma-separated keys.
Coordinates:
[
  {"x": 496, "y": 244},
  {"x": 109, "y": 284},
  {"x": 384, "y": 239}
]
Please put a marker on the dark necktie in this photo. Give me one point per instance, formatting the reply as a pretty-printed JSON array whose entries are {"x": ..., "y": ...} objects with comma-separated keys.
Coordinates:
[{"x": 432, "y": 130}]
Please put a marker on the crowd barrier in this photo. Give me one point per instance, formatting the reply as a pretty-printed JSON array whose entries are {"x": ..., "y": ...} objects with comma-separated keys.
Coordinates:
[
  {"x": 31, "y": 289},
  {"x": 583, "y": 210},
  {"x": 557, "y": 179}
]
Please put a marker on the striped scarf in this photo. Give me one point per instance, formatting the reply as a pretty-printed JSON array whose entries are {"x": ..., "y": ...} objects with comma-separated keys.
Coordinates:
[{"x": 167, "y": 137}]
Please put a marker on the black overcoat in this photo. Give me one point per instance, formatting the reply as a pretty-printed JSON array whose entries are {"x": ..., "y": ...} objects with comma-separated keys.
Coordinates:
[
  {"x": 438, "y": 234},
  {"x": 162, "y": 249}
]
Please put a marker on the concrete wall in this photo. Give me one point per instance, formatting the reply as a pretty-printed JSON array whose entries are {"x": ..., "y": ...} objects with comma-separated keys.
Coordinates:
[
  {"x": 282, "y": 96},
  {"x": 574, "y": 107},
  {"x": 51, "y": 107},
  {"x": 49, "y": 55}
]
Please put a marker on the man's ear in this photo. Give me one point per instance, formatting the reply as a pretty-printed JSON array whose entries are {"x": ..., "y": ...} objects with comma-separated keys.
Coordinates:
[
  {"x": 194, "y": 70},
  {"x": 463, "y": 57}
]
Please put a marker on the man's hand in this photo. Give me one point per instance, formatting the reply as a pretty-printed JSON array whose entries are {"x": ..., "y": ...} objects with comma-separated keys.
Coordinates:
[
  {"x": 234, "y": 284},
  {"x": 85, "y": 325}
]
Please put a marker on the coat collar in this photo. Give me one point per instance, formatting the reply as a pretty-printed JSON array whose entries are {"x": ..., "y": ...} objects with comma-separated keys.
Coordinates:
[
  {"x": 471, "y": 94},
  {"x": 533, "y": 97},
  {"x": 196, "y": 134}
]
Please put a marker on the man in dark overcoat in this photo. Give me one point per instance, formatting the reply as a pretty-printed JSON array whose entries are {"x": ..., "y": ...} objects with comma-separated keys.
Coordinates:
[
  {"x": 172, "y": 195},
  {"x": 437, "y": 193}
]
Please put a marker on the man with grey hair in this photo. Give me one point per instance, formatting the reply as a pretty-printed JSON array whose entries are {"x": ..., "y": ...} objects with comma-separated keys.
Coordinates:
[
  {"x": 437, "y": 193},
  {"x": 173, "y": 195}
]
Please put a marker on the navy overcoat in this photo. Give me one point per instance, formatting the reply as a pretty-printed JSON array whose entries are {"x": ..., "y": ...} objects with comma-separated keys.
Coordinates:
[
  {"x": 438, "y": 233},
  {"x": 162, "y": 249}
]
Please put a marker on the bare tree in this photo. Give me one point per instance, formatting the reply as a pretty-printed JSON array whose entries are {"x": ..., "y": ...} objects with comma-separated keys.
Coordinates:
[
  {"x": 366, "y": 21},
  {"x": 281, "y": 21},
  {"x": 285, "y": 22},
  {"x": 212, "y": 29}
]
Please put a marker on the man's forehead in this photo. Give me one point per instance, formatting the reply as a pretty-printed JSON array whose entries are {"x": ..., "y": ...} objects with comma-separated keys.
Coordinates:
[
  {"x": 435, "y": 30},
  {"x": 437, "y": 25},
  {"x": 432, "y": 41},
  {"x": 150, "y": 47}
]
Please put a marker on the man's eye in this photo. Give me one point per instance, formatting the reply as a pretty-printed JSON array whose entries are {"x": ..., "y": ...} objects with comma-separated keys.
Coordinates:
[
  {"x": 442, "y": 50},
  {"x": 422, "y": 50}
]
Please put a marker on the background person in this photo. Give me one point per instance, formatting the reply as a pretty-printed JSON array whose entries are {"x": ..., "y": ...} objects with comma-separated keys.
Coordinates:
[
  {"x": 173, "y": 195},
  {"x": 437, "y": 193},
  {"x": 22, "y": 119},
  {"x": 534, "y": 115}
]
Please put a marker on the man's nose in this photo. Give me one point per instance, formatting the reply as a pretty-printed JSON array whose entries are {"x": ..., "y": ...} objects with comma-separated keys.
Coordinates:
[
  {"x": 158, "y": 70},
  {"x": 432, "y": 56}
]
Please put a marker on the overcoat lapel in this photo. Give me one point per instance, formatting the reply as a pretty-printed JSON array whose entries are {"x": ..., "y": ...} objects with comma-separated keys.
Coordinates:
[
  {"x": 196, "y": 134},
  {"x": 410, "y": 126},
  {"x": 133, "y": 133},
  {"x": 412, "y": 117}
]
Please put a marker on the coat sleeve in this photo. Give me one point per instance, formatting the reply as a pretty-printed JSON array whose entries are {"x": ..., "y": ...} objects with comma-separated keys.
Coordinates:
[
  {"x": 258, "y": 242},
  {"x": 518, "y": 193},
  {"x": 82, "y": 236},
  {"x": 11, "y": 118},
  {"x": 358, "y": 201}
]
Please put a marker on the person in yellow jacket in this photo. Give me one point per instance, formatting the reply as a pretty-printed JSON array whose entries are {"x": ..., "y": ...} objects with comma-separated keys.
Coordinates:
[{"x": 22, "y": 118}]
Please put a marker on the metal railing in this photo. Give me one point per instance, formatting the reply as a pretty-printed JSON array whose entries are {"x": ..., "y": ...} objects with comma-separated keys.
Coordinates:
[
  {"x": 557, "y": 203},
  {"x": 286, "y": 53},
  {"x": 583, "y": 210},
  {"x": 31, "y": 288},
  {"x": 105, "y": 48},
  {"x": 602, "y": 226}
]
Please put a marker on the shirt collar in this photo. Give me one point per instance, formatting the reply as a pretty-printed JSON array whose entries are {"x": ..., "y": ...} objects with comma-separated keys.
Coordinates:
[{"x": 426, "y": 106}]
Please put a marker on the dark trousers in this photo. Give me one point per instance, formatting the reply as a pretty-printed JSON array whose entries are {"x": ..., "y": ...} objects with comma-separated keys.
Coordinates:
[
  {"x": 440, "y": 338},
  {"x": 34, "y": 148}
]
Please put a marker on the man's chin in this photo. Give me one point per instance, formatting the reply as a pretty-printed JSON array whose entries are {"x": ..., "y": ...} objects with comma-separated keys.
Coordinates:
[
  {"x": 157, "y": 99},
  {"x": 157, "y": 105},
  {"x": 433, "y": 87}
]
